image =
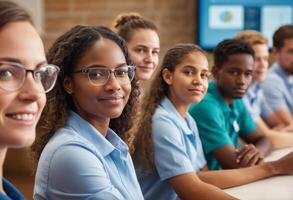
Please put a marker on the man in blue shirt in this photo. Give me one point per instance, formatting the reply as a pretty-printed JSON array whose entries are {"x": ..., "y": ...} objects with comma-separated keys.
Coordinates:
[
  {"x": 255, "y": 102},
  {"x": 278, "y": 86},
  {"x": 221, "y": 116}
]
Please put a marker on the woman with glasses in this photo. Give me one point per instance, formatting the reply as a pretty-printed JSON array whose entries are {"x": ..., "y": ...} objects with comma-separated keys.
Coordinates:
[
  {"x": 82, "y": 150},
  {"x": 25, "y": 77}
]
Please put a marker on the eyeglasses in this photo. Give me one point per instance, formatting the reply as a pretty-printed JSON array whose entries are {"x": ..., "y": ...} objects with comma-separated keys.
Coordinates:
[
  {"x": 99, "y": 75},
  {"x": 12, "y": 75}
]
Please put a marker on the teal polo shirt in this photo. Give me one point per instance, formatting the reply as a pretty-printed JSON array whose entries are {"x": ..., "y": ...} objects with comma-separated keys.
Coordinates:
[{"x": 220, "y": 124}]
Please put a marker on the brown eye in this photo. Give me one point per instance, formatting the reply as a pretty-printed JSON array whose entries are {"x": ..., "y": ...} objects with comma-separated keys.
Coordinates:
[
  {"x": 205, "y": 75},
  {"x": 121, "y": 72}
]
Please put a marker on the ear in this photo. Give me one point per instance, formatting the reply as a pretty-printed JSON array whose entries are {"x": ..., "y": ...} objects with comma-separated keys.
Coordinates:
[
  {"x": 67, "y": 85},
  {"x": 275, "y": 52},
  {"x": 215, "y": 72},
  {"x": 167, "y": 76}
]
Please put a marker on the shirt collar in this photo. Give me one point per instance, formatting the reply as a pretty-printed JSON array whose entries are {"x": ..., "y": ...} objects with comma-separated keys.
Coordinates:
[
  {"x": 283, "y": 73},
  {"x": 184, "y": 123},
  {"x": 104, "y": 145},
  {"x": 253, "y": 91},
  {"x": 280, "y": 70}
]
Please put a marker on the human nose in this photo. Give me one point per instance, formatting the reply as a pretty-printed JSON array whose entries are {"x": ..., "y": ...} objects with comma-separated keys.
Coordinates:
[
  {"x": 31, "y": 89},
  {"x": 112, "y": 83},
  {"x": 241, "y": 79},
  {"x": 197, "y": 78},
  {"x": 149, "y": 56}
]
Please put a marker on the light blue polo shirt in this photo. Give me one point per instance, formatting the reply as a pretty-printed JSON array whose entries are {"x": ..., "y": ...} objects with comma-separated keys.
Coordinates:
[
  {"x": 220, "y": 124},
  {"x": 177, "y": 151},
  {"x": 278, "y": 89},
  {"x": 79, "y": 163},
  {"x": 256, "y": 103}
]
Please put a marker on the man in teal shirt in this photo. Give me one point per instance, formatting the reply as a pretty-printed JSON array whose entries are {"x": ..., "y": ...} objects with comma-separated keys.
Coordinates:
[{"x": 221, "y": 116}]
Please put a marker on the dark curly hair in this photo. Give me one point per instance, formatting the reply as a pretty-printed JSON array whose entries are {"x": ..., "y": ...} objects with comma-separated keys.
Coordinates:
[
  {"x": 67, "y": 50},
  {"x": 229, "y": 47},
  {"x": 143, "y": 147}
]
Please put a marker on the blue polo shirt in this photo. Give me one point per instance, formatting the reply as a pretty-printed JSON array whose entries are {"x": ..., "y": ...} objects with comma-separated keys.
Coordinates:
[
  {"x": 256, "y": 103},
  {"x": 80, "y": 163},
  {"x": 177, "y": 151},
  {"x": 278, "y": 89},
  {"x": 220, "y": 124},
  {"x": 11, "y": 192}
]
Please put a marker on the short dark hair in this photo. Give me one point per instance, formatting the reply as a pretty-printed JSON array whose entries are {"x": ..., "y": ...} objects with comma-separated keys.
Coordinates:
[
  {"x": 230, "y": 47},
  {"x": 281, "y": 34},
  {"x": 11, "y": 12}
]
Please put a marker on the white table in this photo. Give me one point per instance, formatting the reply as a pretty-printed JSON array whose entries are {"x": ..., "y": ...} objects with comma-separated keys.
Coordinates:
[{"x": 274, "y": 188}]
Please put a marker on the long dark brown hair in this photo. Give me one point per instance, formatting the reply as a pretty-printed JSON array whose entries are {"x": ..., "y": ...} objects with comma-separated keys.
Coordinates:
[
  {"x": 67, "y": 50},
  {"x": 143, "y": 145}
]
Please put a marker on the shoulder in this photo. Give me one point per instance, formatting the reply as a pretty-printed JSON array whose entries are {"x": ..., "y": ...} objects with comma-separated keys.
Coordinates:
[
  {"x": 65, "y": 147},
  {"x": 273, "y": 78},
  {"x": 210, "y": 104},
  {"x": 66, "y": 137},
  {"x": 163, "y": 115}
]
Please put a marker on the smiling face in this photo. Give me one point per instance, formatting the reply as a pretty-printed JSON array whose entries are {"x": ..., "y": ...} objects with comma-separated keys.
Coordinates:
[
  {"x": 234, "y": 76},
  {"x": 104, "y": 102},
  {"x": 189, "y": 81},
  {"x": 21, "y": 109},
  {"x": 144, "y": 47}
]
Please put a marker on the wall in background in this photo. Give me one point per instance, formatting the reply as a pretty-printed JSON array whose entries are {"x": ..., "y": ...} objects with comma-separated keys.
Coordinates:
[{"x": 175, "y": 18}]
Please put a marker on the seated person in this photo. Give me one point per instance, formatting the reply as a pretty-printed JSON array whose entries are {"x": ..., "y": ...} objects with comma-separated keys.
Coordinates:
[
  {"x": 168, "y": 153},
  {"x": 254, "y": 99},
  {"x": 81, "y": 146},
  {"x": 278, "y": 85},
  {"x": 25, "y": 77},
  {"x": 222, "y": 117}
]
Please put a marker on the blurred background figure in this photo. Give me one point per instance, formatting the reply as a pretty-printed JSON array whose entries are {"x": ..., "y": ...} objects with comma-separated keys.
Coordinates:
[
  {"x": 278, "y": 86},
  {"x": 255, "y": 102}
]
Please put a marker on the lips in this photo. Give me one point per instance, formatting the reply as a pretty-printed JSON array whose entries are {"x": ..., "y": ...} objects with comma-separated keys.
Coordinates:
[
  {"x": 240, "y": 90},
  {"x": 22, "y": 116},
  {"x": 148, "y": 68},
  {"x": 259, "y": 71},
  {"x": 111, "y": 98},
  {"x": 196, "y": 91}
]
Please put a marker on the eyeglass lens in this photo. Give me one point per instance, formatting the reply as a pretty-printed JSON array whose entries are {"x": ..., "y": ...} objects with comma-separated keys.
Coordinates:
[
  {"x": 99, "y": 76},
  {"x": 12, "y": 76}
]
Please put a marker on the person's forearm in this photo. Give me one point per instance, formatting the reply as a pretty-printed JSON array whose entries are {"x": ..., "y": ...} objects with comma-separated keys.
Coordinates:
[
  {"x": 208, "y": 191},
  {"x": 235, "y": 177},
  {"x": 264, "y": 146},
  {"x": 280, "y": 139}
]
